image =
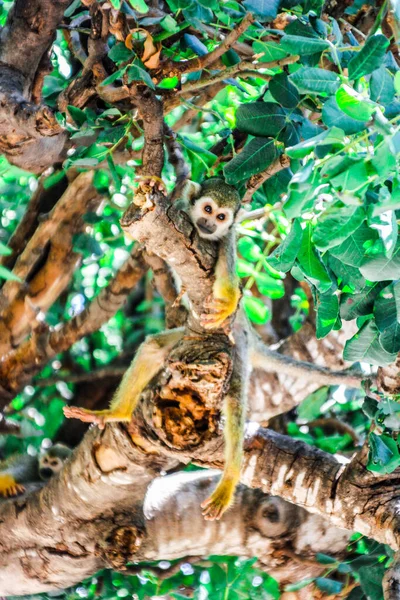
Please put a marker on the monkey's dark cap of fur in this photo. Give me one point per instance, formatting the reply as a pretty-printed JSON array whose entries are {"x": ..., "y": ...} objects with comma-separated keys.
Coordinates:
[{"x": 221, "y": 190}]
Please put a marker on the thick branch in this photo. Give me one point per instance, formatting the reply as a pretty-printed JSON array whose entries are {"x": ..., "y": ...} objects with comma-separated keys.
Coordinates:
[{"x": 95, "y": 515}]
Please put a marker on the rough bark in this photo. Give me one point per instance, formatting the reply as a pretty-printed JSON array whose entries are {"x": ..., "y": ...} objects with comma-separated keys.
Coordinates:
[
  {"x": 29, "y": 133},
  {"x": 100, "y": 512}
]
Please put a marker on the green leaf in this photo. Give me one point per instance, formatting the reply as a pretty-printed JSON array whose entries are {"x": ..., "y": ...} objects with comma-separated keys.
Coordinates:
[
  {"x": 327, "y": 313},
  {"x": 387, "y": 317},
  {"x": 397, "y": 82},
  {"x": 369, "y": 58},
  {"x": 332, "y": 115},
  {"x": 336, "y": 224},
  {"x": 310, "y": 408},
  {"x": 331, "y": 137},
  {"x": 8, "y": 275},
  {"x": 371, "y": 580},
  {"x": 284, "y": 91},
  {"x": 325, "y": 559},
  {"x": 77, "y": 114},
  {"x": 4, "y": 250},
  {"x": 312, "y": 79},
  {"x": 139, "y": 5},
  {"x": 249, "y": 249},
  {"x": 381, "y": 86},
  {"x": 364, "y": 346},
  {"x": 256, "y": 310},
  {"x": 384, "y": 455},
  {"x": 329, "y": 585},
  {"x": 354, "y": 249},
  {"x": 352, "y": 104},
  {"x": 269, "y": 286},
  {"x": 256, "y": 156},
  {"x": 136, "y": 73},
  {"x": 296, "y": 44},
  {"x": 117, "y": 75},
  {"x": 359, "y": 305},
  {"x": 284, "y": 256},
  {"x": 120, "y": 53},
  {"x": 260, "y": 118},
  {"x": 311, "y": 264},
  {"x": 379, "y": 267},
  {"x": 270, "y": 51},
  {"x": 263, "y": 8}
]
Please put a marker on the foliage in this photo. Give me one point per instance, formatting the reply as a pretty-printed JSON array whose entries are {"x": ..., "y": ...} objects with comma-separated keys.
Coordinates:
[{"x": 330, "y": 220}]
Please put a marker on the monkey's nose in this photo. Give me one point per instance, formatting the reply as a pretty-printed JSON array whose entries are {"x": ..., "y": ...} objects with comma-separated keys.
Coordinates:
[{"x": 205, "y": 226}]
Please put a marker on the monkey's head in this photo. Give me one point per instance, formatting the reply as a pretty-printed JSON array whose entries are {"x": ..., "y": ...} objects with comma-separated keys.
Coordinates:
[
  {"x": 52, "y": 461},
  {"x": 213, "y": 207}
]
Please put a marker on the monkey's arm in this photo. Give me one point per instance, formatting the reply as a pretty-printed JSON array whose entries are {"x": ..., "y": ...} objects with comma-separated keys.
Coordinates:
[
  {"x": 262, "y": 357},
  {"x": 235, "y": 412},
  {"x": 146, "y": 364},
  {"x": 16, "y": 471},
  {"x": 226, "y": 290}
]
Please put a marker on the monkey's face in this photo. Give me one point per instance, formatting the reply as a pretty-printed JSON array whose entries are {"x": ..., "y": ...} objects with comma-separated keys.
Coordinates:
[
  {"x": 49, "y": 466},
  {"x": 211, "y": 220}
]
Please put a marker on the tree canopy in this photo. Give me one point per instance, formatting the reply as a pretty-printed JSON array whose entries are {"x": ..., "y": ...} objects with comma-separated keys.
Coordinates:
[{"x": 106, "y": 109}]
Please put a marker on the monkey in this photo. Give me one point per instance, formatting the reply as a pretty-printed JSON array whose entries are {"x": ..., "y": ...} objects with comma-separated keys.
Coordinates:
[
  {"x": 212, "y": 208},
  {"x": 20, "y": 469}
]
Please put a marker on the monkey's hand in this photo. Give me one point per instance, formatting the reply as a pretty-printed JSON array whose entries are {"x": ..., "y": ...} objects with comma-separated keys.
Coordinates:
[
  {"x": 221, "y": 305},
  {"x": 99, "y": 417},
  {"x": 219, "y": 501},
  {"x": 9, "y": 487}
]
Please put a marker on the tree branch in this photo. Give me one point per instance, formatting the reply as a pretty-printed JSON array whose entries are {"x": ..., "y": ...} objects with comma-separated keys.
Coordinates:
[
  {"x": 202, "y": 62},
  {"x": 242, "y": 69},
  {"x": 100, "y": 512},
  {"x": 30, "y": 135},
  {"x": 19, "y": 366},
  {"x": 256, "y": 181}
]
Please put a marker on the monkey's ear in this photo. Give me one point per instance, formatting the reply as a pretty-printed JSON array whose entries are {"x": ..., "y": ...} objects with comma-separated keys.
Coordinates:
[{"x": 192, "y": 190}]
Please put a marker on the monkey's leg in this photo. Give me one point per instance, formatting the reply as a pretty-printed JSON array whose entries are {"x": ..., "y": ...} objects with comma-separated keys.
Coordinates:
[
  {"x": 226, "y": 291},
  {"x": 8, "y": 486},
  {"x": 234, "y": 408},
  {"x": 146, "y": 364}
]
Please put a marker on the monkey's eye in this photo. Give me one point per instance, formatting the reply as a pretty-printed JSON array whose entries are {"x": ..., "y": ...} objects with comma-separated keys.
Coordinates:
[
  {"x": 208, "y": 208},
  {"x": 221, "y": 217}
]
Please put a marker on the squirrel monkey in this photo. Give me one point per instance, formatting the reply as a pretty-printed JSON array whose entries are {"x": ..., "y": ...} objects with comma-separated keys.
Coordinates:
[
  {"x": 212, "y": 208},
  {"x": 22, "y": 468}
]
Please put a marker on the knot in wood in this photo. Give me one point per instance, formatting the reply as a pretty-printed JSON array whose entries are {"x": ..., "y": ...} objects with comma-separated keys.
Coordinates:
[
  {"x": 184, "y": 408},
  {"x": 120, "y": 546}
]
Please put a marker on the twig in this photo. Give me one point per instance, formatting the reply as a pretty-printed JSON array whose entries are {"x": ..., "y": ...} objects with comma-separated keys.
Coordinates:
[
  {"x": 202, "y": 62},
  {"x": 256, "y": 181},
  {"x": 336, "y": 424},
  {"x": 242, "y": 69}
]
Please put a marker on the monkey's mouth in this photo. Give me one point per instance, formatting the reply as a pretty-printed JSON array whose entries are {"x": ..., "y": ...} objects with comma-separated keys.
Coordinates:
[
  {"x": 205, "y": 229},
  {"x": 45, "y": 473}
]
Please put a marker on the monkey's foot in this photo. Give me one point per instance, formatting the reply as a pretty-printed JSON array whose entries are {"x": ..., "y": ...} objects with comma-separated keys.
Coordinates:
[
  {"x": 149, "y": 183},
  {"x": 219, "y": 311},
  {"x": 9, "y": 487},
  {"x": 99, "y": 417},
  {"x": 219, "y": 501}
]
